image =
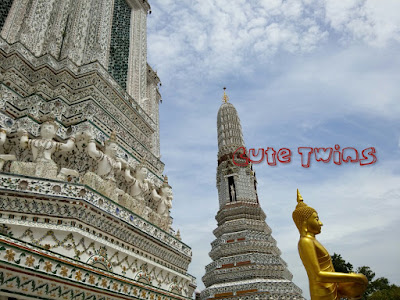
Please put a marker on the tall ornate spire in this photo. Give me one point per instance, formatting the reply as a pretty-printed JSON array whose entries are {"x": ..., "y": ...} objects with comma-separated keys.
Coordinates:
[
  {"x": 230, "y": 135},
  {"x": 246, "y": 260}
]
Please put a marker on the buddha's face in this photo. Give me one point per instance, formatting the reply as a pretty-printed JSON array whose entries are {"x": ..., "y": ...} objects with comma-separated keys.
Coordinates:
[
  {"x": 48, "y": 131},
  {"x": 166, "y": 191},
  {"x": 314, "y": 224},
  {"x": 141, "y": 173},
  {"x": 111, "y": 149}
]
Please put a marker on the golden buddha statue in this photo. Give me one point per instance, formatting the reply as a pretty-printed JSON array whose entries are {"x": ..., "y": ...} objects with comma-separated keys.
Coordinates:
[{"x": 325, "y": 283}]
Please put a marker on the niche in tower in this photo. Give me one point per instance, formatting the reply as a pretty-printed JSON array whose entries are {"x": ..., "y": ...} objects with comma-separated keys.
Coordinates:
[
  {"x": 120, "y": 40},
  {"x": 255, "y": 183},
  {"x": 232, "y": 189},
  {"x": 5, "y": 6}
]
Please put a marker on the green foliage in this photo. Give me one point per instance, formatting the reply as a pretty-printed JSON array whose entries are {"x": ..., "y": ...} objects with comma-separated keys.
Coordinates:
[
  {"x": 340, "y": 264},
  {"x": 378, "y": 289},
  {"x": 367, "y": 272},
  {"x": 391, "y": 293},
  {"x": 381, "y": 283},
  {"x": 378, "y": 284},
  {"x": 370, "y": 276}
]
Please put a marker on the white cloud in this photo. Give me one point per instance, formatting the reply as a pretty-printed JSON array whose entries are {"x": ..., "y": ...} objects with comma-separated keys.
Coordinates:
[
  {"x": 370, "y": 21},
  {"x": 212, "y": 37},
  {"x": 223, "y": 36},
  {"x": 300, "y": 73}
]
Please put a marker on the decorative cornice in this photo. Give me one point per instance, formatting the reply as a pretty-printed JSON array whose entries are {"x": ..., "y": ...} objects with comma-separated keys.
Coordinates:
[
  {"x": 45, "y": 188},
  {"x": 246, "y": 246},
  {"x": 37, "y": 272},
  {"x": 262, "y": 288},
  {"x": 55, "y": 66},
  {"x": 240, "y": 210},
  {"x": 244, "y": 272},
  {"x": 240, "y": 225},
  {"x": 257, "y": 258}
]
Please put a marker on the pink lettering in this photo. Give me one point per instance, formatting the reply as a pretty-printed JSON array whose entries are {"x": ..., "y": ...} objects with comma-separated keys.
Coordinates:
[
  {"x": 305, "y": 161},
  {"x": 320, "y": 157},
  {"x": 271, "y": 156},
  {"x": 368, "y": 152},
  {"x": 252, "y": 153},
  {"x": 284, "y": 155},
  {"x": 240, "y": 156}
]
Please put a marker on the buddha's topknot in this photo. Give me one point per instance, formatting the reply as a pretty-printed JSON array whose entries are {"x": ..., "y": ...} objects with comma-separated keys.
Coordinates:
[{"x": 302, "y": 212}]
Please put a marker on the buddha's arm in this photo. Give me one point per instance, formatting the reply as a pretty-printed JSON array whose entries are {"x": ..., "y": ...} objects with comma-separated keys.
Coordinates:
[
  {"x": 124, "y": 164},
  {"x": 24, "y": 140},
  {"x": 69, "y": 145},
  {"x": 2, "y": 137},
  {"x": 169, "y": 203},
  {"x": 309, "y": 257},
  {"x": 118, "y": 166},
  {"x": 128, "y": 176},
  {"x": 156, "y": 197},
  {"x": 92, "y": 150}
]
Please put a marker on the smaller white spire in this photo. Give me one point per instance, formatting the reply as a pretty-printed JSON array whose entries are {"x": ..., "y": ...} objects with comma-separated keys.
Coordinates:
[{"x": 230, "y": 135}]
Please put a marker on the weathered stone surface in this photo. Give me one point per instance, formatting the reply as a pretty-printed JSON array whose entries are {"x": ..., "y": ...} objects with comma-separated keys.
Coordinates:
[
  {"x": 70, "y": 225},
  {"x": 43, "y": 169}
]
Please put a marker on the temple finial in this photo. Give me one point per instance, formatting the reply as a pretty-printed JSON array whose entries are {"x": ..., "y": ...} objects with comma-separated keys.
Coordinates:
[
  {"x": 112, "y": 139},
  {"x": 113, "y": 136},
  {"x": 225, "y": 98},
  {"x": 165, "y": 183},
  {"x": 299, "y": 197}
]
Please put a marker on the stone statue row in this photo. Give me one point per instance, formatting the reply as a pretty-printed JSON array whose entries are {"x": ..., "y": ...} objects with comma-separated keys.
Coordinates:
[{"x": 141, "y": 195}]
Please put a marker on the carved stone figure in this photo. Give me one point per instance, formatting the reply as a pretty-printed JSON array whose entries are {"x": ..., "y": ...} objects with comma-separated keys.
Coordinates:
[
  {"x": 107, "y": 162},
  {"x": 233, "y": 194},
  {"x": 44, "y": 147},
  {"x": 138, "y": 184},
  {"x": 166, "y": 197},
  {"x": 42, "y": 150},
  {"x": 4, "y": 157},
  {"x": 178, "y": 235},
  {"x": 325, "y": 283},
  {"x": 103, "y": 180}
]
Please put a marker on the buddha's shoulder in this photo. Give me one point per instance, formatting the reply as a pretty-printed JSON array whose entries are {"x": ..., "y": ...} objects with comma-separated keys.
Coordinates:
[{"x": 305, "y": 241}]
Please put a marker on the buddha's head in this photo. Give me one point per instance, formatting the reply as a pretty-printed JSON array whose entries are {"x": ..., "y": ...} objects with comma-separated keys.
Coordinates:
[
  {"x": 48, "y": 129},
  {"x": 313, "y": 224},
  {"x": 111, "y": 146},
  {"x": 166, "y": 189},
  {"x": 111, "y": 149},
  {"x": 306, "y": 217},
  {"x": 140, "y": 172}
]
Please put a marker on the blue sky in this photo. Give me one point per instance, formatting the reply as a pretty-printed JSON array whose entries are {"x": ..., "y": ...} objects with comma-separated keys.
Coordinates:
[{"x": 300, "y": 73}]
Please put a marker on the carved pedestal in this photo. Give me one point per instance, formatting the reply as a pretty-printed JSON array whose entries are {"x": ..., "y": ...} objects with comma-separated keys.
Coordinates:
[{"x": 44, "y": 169}]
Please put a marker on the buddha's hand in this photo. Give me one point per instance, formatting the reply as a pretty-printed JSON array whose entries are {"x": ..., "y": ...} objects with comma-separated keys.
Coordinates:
[
  {"x": 124, "y": 163},
  {"x": 85, "y": 136},
  {"x": 361, "y": 278},
  {"x": 22, "y": 132},
  {"x": 365, "y": 279},
  {"x": 354, "y": 288}
]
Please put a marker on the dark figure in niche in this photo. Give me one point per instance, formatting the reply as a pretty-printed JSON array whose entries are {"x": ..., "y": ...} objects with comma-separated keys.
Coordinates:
[
  {"x": 255, "y": 188},
  {"x": 232, "y": 189},
  {"x": 255, "y": 182},
  {"x": 5, "y": 6}
]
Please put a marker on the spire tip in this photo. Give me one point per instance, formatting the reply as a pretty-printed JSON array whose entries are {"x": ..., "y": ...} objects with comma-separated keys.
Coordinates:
[{"x": 225, "y": 98}]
